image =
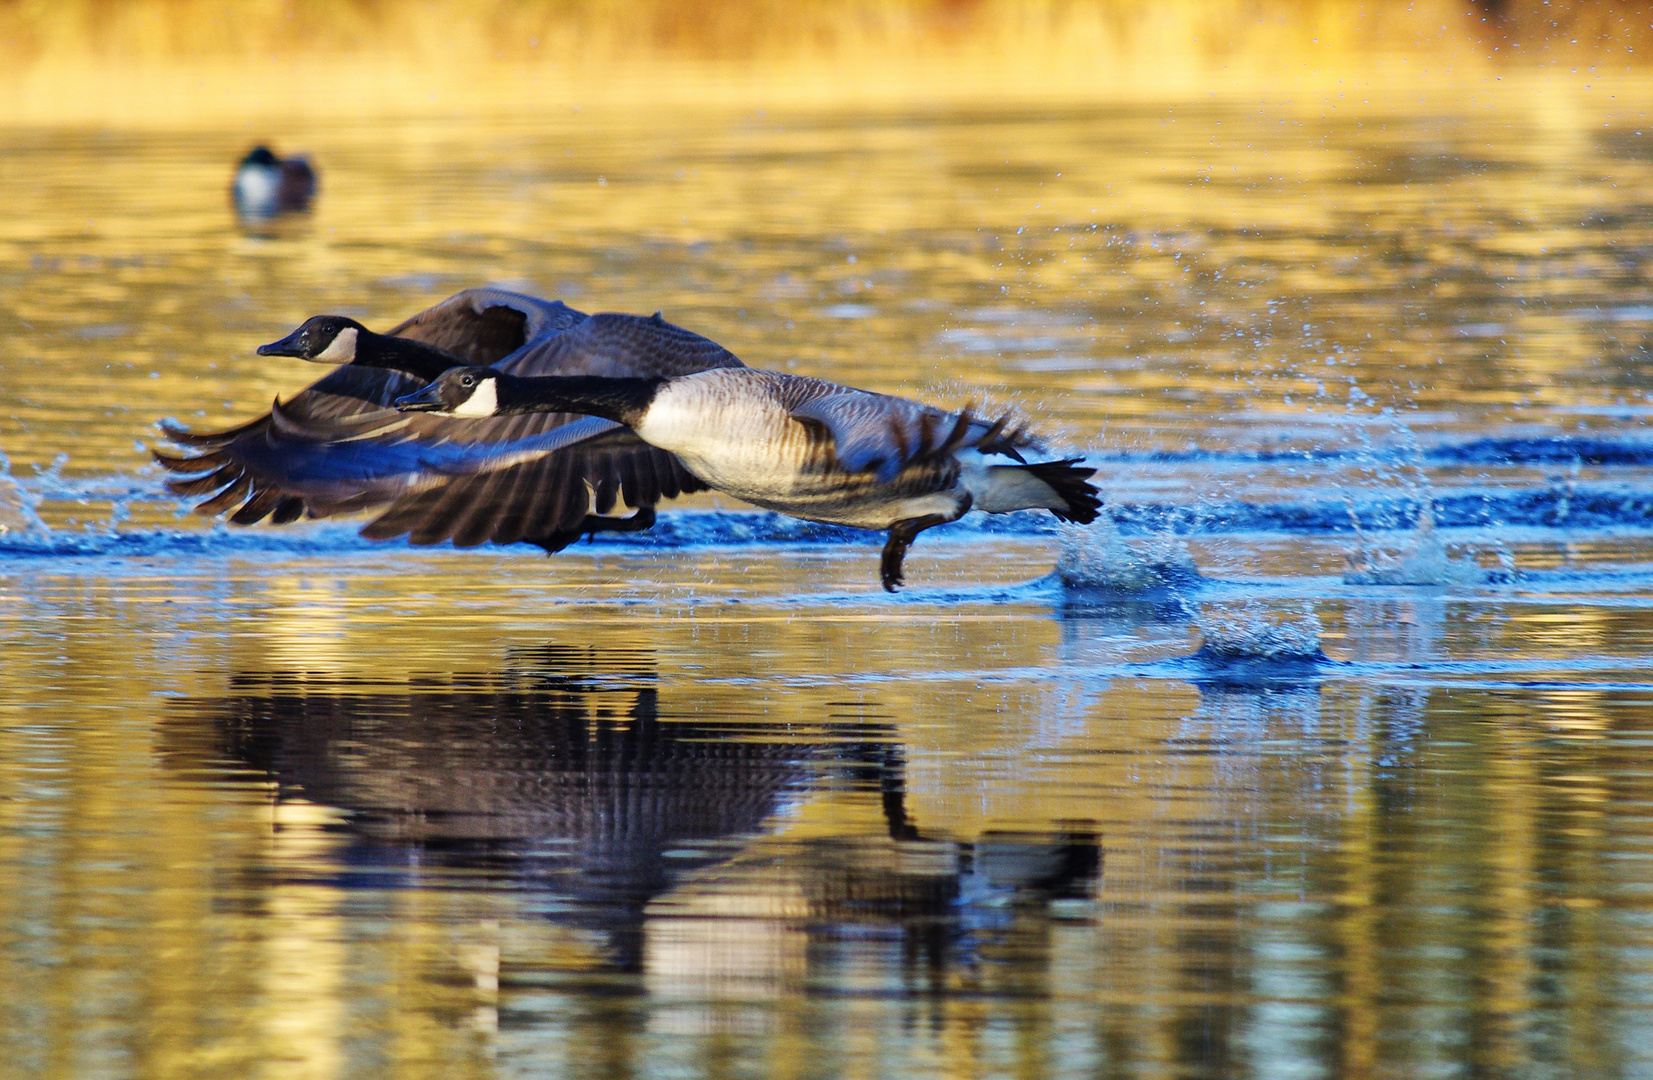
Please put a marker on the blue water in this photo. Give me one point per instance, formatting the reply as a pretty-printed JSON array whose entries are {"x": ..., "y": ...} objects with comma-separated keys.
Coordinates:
[{"x": 1617, "y": 496}]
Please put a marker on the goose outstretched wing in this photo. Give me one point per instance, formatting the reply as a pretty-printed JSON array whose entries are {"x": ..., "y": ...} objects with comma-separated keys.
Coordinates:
[
  {"x": 544, "y": 478},
  {"x": 487, "y": 324}
]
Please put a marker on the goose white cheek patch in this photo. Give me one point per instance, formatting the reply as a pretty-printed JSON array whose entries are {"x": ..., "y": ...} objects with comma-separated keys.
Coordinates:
[
  {"x": 481, "y": 403},
  {"x": 342, "y": 350}
]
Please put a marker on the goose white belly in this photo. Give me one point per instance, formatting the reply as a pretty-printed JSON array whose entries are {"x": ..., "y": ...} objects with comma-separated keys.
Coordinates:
[
  {"x": 731, "y": 430},
  {"x": 736, "y": 442},
  {"x": 738, "y": 438}
]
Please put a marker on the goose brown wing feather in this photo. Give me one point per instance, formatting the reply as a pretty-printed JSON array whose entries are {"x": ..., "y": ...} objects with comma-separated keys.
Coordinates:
[
  {"x": 228, "y": 497},
  {"x": 605, "y": 492},
  {"x": 437, "y": 525},
  {"x": 625, "y": 470},
  {"x": 185, "y": 437},
  {"x": 867, "y": 432},
  {"x": 338, "y": 446},
  {"x": 258, "y": 507},
  {"x": 620, "y": 346},
  {"x": 478, "y": 516},
  {"x": 488, "y": 324},
  {"x": 539, "y": 499},
  {"x": 564, "y": 505},
  {"x": 227, "y": 474},
  {"x": 288, "y": 509},
  {"x": 510, "y": 513},
  {"x": 199, "y": 463}
]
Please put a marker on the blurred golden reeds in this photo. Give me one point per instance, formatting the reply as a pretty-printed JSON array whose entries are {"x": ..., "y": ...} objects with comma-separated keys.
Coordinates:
[{"x": 144, "y": 60}]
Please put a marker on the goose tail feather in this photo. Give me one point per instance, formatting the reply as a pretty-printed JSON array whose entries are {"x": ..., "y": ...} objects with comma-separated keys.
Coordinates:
[{"x": 1069, "y": 479}]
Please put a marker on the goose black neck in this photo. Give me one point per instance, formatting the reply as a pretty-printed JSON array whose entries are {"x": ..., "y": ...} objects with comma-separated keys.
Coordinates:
[
  {"x": 405, "y": 355},
  {"x": 618, "y": 399}
]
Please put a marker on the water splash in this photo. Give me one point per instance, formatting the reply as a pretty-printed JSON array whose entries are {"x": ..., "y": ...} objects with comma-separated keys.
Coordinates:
[
  {"x": 1095, "y": 557},
  {"x": 1254, "y": 632},
  {"x": 19, "y": 519},
  {"x": 1421, "y": 560},
  {"x": 1568, "y": 487}
]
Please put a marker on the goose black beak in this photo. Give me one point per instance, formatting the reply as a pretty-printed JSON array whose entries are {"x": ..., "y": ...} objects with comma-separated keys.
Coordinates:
[
  {"x": 425, "y": 400},
  {"x": 287, "y": 346}
]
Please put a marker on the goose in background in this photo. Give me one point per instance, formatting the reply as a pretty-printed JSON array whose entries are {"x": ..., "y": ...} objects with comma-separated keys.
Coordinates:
[
  {"x": 547, "y": 479},
  {"x": 266, "y": 185},
  {"x": 799, "y": 445}
]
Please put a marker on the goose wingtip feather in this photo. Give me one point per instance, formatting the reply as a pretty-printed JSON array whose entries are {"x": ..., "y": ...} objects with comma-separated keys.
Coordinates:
[{"x": 300, "y": 451}]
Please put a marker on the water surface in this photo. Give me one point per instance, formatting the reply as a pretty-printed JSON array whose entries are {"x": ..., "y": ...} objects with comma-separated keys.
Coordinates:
[{"x": 706, "y": 802}]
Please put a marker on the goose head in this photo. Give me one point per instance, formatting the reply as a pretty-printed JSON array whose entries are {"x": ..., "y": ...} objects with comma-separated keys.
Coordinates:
[
  {"x": 465, "y": 391},
  {"x": 324, "y": 339}
]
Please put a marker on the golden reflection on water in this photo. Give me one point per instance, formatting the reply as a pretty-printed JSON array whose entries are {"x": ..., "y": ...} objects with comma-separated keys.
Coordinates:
[
  {"x": 1253, "y": 838},
  {"x": 636, "y": 812},
  {"x": 1291, "y": 261}
]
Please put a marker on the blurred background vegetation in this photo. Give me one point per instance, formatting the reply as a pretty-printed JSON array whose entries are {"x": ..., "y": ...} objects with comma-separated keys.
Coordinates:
[{"x": 139, "y": 60}]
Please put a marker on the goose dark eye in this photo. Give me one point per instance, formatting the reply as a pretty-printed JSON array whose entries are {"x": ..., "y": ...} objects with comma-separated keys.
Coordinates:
[{"x": 467, "y": 380}]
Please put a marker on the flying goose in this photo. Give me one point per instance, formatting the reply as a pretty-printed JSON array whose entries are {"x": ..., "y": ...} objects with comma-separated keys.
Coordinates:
[
  {"x": 798, "y": 445},
  {"x": 544, "y": 479},
  {"x": 337, "y": 339},
  {"x": 266, "y": 185}
]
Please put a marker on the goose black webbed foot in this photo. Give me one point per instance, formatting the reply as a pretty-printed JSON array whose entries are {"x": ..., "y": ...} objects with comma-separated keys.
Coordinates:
[{"x": 902, "y": 534}]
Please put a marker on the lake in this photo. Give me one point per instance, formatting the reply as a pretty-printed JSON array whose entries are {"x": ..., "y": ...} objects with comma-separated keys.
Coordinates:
[{"x": 1326, "y": 756}]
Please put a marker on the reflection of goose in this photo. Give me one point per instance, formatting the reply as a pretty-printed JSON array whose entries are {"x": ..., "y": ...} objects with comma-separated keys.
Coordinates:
[
  {"x": 559, "y": 772},
  {"x": 266, "y": 185},
  {"x": 802, "y": 446},
  {"x": 544, "y": 479},
  {"x": 745, "y": 927},
  {"x": 918, "y": 878},
  {"x": 542, "y": 755}
]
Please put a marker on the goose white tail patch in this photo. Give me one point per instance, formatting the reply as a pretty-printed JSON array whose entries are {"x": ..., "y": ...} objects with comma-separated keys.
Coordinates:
[
  {"x": 341, "y": 350},
  {"x": 999, "y": 489},
  {"x": 484, "y": 401}
]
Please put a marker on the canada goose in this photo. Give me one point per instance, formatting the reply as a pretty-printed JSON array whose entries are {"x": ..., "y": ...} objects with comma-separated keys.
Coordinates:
[
  {"x": 799, "y": 445},
  {"x": 335, "y": 339},
  {"x": 266, "y": 185},
  {"x": 544, "y": 479}
]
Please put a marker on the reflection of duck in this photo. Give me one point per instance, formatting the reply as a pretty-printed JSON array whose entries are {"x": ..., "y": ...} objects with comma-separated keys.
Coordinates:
[
  {"x": 266, "y": 185},
  {"x": 337, "y": 446}
]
